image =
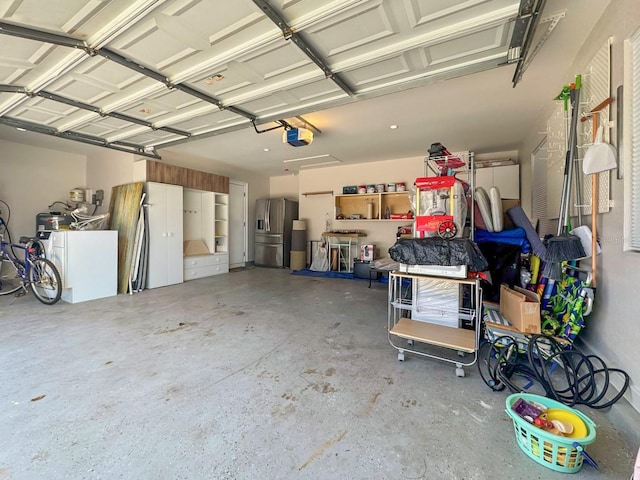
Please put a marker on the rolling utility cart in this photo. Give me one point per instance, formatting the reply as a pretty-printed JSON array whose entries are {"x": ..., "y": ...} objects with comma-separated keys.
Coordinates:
[
  {"x": 434, "y": 307},
  {"x": 435, "y": 311}
]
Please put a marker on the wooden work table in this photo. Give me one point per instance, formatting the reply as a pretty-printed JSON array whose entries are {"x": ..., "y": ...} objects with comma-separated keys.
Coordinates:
[
  {"x": 344, "y": 234},
  {"x": 342, "y": 246}
]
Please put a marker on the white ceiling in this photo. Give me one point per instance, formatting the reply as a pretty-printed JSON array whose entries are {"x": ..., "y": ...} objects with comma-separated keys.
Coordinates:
[{"x": 431, "y": 67}]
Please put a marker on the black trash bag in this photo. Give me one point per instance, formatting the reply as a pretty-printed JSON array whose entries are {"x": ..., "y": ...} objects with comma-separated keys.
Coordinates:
[
  {"x": 439, "y": 251},
  {"x": 504, "y": 267}
]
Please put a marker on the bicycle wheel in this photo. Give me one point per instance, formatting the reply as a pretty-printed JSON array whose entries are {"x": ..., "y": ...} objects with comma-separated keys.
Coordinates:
[
  {"x": 45, "y": 281},
  {"x": 10, "y": 281}
]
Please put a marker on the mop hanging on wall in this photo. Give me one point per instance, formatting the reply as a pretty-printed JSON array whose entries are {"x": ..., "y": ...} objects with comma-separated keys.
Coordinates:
[{"x": 564, "y": 246}]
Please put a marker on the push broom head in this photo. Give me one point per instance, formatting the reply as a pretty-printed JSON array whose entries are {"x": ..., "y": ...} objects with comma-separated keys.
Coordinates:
[
  {"x": 552, "y": 271},
  {"x": 564, "y": 247}
]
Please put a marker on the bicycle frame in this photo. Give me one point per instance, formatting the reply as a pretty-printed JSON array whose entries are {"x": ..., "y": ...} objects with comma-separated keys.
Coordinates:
[
  {"x": 33, "y": 270},
  {"x": 22, "y": 266}
]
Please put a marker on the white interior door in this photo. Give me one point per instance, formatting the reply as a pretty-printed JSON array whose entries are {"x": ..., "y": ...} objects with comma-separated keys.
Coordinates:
[{"x": 238, "y": 237}]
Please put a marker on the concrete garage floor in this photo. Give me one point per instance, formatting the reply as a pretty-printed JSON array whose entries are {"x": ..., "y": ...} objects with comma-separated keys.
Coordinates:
[{"x": 257, "y": 374}]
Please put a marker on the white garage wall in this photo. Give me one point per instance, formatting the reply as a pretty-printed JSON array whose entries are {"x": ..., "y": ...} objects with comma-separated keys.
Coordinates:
[
  {"x": 317, "y": 209},
  {"x": 106, "y": 169},
  {"x": 613, "y": 328},
  {"x": 32, "y": 178},
  {"x": 286, "y": 186}
]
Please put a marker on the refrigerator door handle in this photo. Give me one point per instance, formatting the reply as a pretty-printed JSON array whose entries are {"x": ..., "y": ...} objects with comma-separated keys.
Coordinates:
[{"x": 267, "y": 213}]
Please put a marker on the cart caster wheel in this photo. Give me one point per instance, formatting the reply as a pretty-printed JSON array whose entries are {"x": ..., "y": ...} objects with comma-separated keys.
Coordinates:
[
  {"x": 459, "y": 372},
  {"x": 401, "y": 357},
  {"x": 409, "y": 342},
  {"x": 447, "y": 229}
]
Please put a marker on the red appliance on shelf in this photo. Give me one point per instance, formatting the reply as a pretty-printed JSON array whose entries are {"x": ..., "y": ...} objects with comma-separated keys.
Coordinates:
[{"x": 436, "y": 217}]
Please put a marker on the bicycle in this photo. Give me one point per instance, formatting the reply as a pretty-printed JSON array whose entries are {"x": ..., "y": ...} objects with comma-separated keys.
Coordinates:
[{"x": 35, "y": 271}]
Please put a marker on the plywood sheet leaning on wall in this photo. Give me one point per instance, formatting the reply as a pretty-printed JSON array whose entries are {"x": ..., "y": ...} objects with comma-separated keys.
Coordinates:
[{"x": 124, "y": 212}]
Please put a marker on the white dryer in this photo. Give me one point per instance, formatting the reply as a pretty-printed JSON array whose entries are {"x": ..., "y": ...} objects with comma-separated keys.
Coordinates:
[{"x": 87, "y": 261}]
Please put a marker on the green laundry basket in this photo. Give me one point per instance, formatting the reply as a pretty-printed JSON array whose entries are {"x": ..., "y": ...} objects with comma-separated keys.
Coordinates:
[{"x": 563, "y": 454}]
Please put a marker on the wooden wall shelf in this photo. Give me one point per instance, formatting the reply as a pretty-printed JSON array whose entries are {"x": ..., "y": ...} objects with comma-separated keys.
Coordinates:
[{"x": 324, "y": 192}]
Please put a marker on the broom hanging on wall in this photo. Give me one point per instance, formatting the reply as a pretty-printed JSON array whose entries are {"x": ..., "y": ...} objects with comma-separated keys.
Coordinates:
[{"x": 564, "y": 246}]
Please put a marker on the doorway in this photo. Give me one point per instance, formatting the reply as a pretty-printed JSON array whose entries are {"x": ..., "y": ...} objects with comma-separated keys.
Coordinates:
[{"x": 238, "y": 235}]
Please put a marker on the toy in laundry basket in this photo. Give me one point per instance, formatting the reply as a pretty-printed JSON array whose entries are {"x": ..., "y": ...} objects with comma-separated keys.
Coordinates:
[{"x": 441, "y": 205}]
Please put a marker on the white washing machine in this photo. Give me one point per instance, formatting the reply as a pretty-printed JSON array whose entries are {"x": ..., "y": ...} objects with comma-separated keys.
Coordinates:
[{"x": 87, "y": 261}]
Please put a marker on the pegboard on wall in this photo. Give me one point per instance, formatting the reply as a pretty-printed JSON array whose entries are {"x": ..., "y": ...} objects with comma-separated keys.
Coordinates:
[
  {"x": 596, "y": 85},
  {"x": 556, "y": 155},
  {"x": 595, "y": 88}
]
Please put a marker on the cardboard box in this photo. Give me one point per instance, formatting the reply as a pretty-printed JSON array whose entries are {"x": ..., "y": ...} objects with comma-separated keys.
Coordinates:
[
  {"x": 497, "y": 326},
  {"x": 521, "y": 308}
]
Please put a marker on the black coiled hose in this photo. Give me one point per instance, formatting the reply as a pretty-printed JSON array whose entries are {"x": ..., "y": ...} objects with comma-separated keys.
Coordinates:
[{"x": 562, "y": 371}]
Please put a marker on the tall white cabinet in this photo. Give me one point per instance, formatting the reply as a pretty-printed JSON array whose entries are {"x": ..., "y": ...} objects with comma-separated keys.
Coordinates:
[
  {"x": 164, "y": 210},
  {"x": 206, "y": 218}
]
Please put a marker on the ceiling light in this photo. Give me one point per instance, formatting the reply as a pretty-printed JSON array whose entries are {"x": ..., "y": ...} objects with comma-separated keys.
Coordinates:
[
  {"x": 214, "y": 78},
  {"x": 302, "y": 159},
  {"x": 393, "y": 127},
  {"x": 20, "y": 129},
  {"x": 320, "y": 164},
  {"x": 266, "y": 149}
]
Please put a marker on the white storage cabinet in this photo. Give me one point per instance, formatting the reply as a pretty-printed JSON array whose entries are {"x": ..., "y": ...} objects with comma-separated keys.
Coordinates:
[
  {"x": 206, "y": 219},
  {"x": 505, "y": 178},
  {"x": 165, "y": 266},
  {"x": 199, "y": 266}
]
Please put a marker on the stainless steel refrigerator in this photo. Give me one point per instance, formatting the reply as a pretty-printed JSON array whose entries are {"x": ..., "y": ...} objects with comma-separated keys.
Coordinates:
[{"x": 274, "y": 225}]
